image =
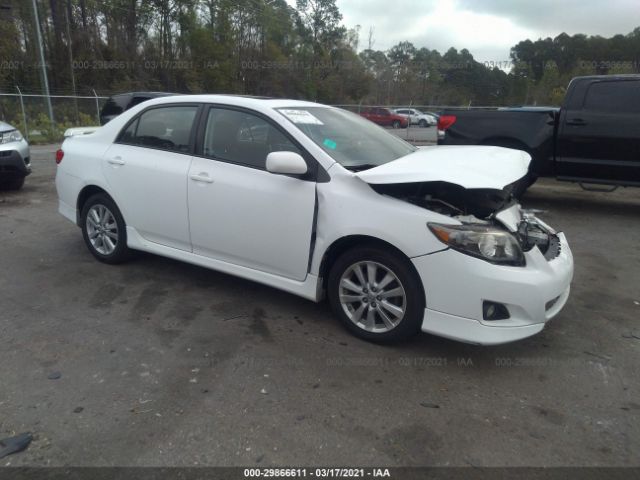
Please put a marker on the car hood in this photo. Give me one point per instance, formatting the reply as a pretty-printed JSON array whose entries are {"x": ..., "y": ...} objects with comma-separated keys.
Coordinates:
[
  {"x": 5, "y": 127},
  {"x": 467, "y": 166}
]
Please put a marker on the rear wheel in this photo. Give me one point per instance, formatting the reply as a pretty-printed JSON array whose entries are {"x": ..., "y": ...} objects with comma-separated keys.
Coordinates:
[
  {"x": 376, "y": 294},
  {"x": 423, "y": 123},
  {"x": 104, "y": 230}
]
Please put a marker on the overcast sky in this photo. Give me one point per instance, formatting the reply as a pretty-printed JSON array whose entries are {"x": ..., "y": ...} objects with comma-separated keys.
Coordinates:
[{"x": 488, "y": 28}]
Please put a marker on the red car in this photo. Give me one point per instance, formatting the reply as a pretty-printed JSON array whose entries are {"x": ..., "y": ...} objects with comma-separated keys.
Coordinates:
[{"x": 385, "y": 117}]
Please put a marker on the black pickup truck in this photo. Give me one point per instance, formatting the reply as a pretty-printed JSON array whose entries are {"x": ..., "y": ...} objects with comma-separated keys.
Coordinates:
[{"x": 594, "y": 138}]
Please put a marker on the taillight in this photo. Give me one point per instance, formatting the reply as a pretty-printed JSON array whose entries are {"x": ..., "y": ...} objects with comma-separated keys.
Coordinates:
[
  {"x": 445, "y": 121},
  {"x": 59, "y": 156}
]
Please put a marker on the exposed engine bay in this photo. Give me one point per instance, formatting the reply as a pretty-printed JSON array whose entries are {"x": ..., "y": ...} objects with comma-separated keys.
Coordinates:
[
  {"x": 477, "y": 207},
  {"x": 450, "y": 199}
]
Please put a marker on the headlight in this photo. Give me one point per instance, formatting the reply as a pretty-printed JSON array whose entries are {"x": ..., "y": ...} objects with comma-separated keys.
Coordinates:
[
  {"x": 488, "y": 243},
  {"x": 12, "y": 136}
]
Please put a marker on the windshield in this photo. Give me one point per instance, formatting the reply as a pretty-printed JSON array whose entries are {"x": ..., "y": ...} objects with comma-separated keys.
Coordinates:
[{"x": 352, "y": 141}]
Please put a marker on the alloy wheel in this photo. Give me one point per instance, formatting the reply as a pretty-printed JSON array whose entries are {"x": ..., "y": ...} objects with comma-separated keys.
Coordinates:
[
  {"x": 372, "y": 296},
  {"x": 102, "y": 229}
]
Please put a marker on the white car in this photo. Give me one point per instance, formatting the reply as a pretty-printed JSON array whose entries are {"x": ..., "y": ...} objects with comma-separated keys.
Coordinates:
[
  {"x": 316, "y": 201},
  {"x": 416, "y": 117}
]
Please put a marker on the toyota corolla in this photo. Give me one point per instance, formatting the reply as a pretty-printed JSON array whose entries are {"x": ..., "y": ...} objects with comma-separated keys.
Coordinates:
[{"x": 317, "y": 201}]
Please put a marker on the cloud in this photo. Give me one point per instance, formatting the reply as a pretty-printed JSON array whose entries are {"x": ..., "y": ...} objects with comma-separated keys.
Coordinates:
[{"x": 488, "y": 29}]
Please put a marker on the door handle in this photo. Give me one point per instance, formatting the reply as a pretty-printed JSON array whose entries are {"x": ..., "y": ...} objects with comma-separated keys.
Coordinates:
[
  {"x": 116, "y": 161},
  {"x": 201, "y": 177},
  {"x": 578, "y": 122}
]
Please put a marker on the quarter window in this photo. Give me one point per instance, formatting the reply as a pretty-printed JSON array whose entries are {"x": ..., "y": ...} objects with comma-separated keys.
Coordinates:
[
  {"x": 242, "y": 138},
  {"x": 166, "y": 128}
]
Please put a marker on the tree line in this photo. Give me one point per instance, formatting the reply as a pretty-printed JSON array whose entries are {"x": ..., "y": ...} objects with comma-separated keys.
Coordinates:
[{"x": 267, "y": 47}]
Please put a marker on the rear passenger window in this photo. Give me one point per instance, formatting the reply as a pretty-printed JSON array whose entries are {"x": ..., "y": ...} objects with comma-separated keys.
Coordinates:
[
  {"x": 613, "y": 97},
  {"x": 166, "y": 128},
  {"x": 242, "y": 138}
]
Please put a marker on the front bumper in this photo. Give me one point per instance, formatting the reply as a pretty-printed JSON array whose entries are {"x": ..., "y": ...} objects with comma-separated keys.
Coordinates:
[
  {"x": 456, "y": 285},
  {"x": 15, "y": 159}
]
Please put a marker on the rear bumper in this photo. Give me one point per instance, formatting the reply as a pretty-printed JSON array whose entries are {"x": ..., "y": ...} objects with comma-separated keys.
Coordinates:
[
  {"x": 456, "y": 285},
  {"x": 14, "y": 159}
]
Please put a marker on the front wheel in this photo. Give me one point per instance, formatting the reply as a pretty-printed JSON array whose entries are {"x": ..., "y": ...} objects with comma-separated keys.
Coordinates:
[
  {"x": 396, "y": 124},
  {"x": 104, "y": 230},
  {"x": 376, "y": 294},
  {"x": 423, "y": 123}
]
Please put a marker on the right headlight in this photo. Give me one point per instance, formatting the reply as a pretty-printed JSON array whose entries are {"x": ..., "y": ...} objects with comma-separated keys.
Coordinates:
[
  {"x": 12, "y": 136},
  {"x": 484, "y": 242}
]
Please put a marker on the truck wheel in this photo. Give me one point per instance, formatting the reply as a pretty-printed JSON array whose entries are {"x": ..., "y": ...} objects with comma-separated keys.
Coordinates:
[
  {"x": 376, "y": 294},
  {"x": 12, "y": 183}
]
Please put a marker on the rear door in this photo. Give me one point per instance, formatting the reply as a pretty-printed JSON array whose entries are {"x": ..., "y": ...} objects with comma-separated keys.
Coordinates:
[
  {"x": 146, "y": 170},
  {"x": 599, "y": 135}
]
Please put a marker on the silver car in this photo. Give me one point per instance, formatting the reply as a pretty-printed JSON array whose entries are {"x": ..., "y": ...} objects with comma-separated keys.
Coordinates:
[{"x": 15, "y": 161}]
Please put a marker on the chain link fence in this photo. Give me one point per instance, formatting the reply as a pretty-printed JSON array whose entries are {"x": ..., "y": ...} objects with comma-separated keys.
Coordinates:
[{"x": 30, "y": 113}]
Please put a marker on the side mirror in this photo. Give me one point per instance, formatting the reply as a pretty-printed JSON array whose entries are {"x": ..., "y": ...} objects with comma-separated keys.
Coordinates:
[{"x": 288, "y": 163}]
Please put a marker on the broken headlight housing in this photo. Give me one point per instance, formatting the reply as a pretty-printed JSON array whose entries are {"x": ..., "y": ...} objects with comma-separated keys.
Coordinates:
[{"x": 485, "y": 242}]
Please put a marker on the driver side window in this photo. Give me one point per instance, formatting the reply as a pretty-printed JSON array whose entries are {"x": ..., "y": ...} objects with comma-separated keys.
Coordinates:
[
  {"x": 242, "y": 138},
  {"x": 166, "y": 128}
]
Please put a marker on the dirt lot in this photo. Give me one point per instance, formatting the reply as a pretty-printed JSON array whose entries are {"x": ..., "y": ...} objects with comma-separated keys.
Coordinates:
[{"x": 163, "y": 363}]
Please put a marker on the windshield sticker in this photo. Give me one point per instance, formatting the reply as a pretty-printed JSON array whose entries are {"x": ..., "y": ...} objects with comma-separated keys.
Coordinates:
[
  {"x": 330, "y": 143},
  {"x": 301, "y": 117}
]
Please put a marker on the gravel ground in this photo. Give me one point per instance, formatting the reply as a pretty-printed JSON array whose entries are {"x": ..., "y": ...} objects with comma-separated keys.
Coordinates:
[{"x": 163, "y": 363}]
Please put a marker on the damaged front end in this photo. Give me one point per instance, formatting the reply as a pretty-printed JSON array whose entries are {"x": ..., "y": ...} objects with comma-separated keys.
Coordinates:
[
  {"x": 475, "y": 186},
  {"x": 493, "y": 225}
]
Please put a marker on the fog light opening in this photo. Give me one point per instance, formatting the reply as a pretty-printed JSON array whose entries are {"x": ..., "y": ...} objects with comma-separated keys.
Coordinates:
[{"x": 494, "y": 311}]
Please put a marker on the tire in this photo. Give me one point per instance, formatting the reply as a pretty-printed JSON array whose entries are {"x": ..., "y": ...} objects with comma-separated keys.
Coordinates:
[
  {"x": 12, "y": 183},
  {"x": 104, "y": 230},
  {"x": 365, "y": 318},
  {"x": 396, "y": 124},
  {"x": 423, "y": 123}
]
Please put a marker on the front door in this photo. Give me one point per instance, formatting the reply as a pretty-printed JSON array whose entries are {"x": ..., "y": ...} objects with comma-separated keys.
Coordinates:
[{"x": 238, "y": 212}]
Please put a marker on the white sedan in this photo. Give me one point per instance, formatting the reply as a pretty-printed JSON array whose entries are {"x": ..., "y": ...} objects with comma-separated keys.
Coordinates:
[
  {"x": 316, "y": 201},
  {"x": 416, "y": 117}
]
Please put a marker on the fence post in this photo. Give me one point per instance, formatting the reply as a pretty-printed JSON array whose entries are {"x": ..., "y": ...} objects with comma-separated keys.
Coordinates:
[
  {"x": 97, "y": 105},
  {"x": 409, "y": 121},
  {"x": 24, "y": 115}
]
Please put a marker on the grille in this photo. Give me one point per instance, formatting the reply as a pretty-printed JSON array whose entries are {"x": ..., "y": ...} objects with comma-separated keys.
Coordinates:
[{"x": 554, "y": 248}]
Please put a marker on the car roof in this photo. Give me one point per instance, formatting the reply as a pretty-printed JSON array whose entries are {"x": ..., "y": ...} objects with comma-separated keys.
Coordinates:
[
  {"x": 258, "y": 103},
  {"x": 622, "y": 76}
]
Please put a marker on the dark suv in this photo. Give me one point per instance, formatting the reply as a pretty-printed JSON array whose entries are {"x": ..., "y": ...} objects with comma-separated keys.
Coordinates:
[{"x": 116, "y": 104}]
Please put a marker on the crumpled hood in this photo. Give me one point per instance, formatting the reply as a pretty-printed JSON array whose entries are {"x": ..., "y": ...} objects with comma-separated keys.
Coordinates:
[{"x": 467, "y": 166}]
